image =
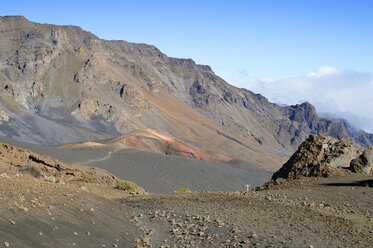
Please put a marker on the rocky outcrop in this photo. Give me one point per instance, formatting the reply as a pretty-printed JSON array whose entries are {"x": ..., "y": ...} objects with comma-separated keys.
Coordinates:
[
  {"x": 364, "y": 163},
  {"x": 319, "y": 156},
  {"x": 14, "y": 159}
]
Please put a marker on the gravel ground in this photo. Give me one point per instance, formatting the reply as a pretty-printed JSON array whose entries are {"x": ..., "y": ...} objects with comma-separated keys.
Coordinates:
[
  {"x": 35, "y": 213},
  {"x": 332, "y": 212}
]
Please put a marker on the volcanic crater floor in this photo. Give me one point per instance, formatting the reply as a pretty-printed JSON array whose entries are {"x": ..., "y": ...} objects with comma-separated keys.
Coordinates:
[{"x": 322, "y": 212}]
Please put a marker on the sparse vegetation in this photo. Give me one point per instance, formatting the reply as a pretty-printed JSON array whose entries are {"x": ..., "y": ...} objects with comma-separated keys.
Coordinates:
[
  {"x": 184, "y": 190},
  {"x": 87, "y": 178},
  {"x": 127, "y": 185}
]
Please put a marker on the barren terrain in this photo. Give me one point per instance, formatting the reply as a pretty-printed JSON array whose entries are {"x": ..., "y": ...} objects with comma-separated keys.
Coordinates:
[
  {"x": 325, "y": 212},
  {"x": 334, "y": 212},
  {"x": 159, "y": 173}
]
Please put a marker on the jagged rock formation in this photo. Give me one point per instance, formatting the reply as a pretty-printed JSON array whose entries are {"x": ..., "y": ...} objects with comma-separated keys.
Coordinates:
[
  {"x": 318, "y": 156},
  {"x": 61, "y": 84},
  {"x": 364, "y": 163},
  {"x": 323, "y": 156}
]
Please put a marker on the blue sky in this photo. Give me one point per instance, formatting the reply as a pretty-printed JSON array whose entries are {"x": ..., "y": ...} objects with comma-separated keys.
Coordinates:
[
  {"x": 239, "y": 39},
  {"x": 261, "y": 45}
]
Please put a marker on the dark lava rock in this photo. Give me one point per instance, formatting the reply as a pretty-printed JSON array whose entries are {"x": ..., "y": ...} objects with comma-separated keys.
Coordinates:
[
  {"x": 364, "y": 163},
  {"x": 319, "y": 155}
]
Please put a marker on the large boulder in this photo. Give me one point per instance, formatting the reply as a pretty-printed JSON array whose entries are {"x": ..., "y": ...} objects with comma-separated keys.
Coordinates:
[
  {"x": 319, "y": 156},
  {"x": 364, "y": 163}
]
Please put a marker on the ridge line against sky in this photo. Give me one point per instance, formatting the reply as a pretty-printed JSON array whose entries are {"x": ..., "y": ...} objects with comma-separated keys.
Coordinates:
[
  {"x": 238, "y": 39},
  {"x": 244, "y": 42}
]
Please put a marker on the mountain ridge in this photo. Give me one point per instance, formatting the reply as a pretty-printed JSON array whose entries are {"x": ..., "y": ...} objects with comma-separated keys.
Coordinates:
[{"x": 62, "y": 84}]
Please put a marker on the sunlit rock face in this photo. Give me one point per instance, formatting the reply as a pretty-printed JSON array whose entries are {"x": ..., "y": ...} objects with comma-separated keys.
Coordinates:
[{"x": 61, "y": 84}]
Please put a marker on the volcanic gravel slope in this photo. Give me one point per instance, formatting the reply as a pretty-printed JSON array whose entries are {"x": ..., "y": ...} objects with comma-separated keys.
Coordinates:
[
  {"x": 159, "y": 173},
  {"x": 35, "y": 213},
  {"x": 332, "y": 212}
]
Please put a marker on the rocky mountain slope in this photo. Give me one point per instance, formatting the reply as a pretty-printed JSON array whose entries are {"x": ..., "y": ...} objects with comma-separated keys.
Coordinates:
[
  {"x": 323, "y": 156},
  {"x": 61, "y": 84}
]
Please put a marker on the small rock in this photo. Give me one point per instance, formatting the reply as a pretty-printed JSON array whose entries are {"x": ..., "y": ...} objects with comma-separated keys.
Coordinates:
[
  {"x": 4, "y": 175},
  {"x": 88, "y": 233},
  {"x": 75, "y": 233},
  {"x": 146, "y": 240},
  {"x": 6, "y": 244},
  {"x": 173, "y": 221},
  {"x": 50, "y": 179},
  {"x": 23, "y": 208},
  {"x": 220, "y": 223},
  {"x": 253, "y": 235},
  {"x": 203, "y": 228},
  {"x": 12, "y": 222}
]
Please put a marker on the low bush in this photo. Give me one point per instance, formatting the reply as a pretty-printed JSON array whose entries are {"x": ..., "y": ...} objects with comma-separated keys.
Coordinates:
[
  {"x": 184, "y": 190},
  {"x": 127, "y": 185}
]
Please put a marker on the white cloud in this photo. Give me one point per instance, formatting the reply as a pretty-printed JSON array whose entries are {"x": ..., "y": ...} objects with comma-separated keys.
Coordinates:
[
  {"x": 323, "y": 71},
  {"x": 335, "y": 92}
]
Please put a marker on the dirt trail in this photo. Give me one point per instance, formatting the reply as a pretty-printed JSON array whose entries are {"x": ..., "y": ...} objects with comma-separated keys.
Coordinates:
[{"x": 98, "y": 159}]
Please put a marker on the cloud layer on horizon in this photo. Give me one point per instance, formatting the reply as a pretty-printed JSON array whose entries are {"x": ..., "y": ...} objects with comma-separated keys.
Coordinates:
[{"x": 334, "y": 92}]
